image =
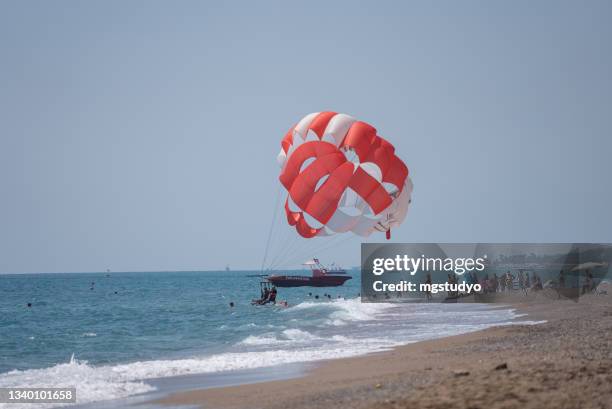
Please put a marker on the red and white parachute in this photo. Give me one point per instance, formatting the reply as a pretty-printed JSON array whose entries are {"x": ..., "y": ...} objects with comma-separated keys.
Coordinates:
[{"x": 341, "y": 176}]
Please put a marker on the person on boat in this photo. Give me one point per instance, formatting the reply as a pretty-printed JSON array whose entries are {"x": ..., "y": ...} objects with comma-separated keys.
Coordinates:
[
  {"x": 271, "y": 297},
  {"x": 265, "y": 295}
]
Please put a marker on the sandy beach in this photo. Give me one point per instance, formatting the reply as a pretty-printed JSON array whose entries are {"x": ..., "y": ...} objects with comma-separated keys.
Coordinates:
[{"x": 565, "y": 362}]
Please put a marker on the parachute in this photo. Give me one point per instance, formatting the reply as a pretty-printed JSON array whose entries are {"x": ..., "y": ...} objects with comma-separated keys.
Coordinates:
[{"x": 341, "y": 176}]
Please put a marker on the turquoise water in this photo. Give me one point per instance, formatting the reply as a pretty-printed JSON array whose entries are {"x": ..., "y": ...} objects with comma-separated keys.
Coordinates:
[
  {"x": 108, "y": 338},
  {"x": 151, "y": 315}
]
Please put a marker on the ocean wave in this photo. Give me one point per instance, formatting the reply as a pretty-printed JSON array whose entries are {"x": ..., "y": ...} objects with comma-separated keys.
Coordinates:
[
  {"x": 344, "y": 310},
  {"x": 95, "y": 383},
  {"x": 260, "y": 340},
  {"x": 295, "y": 334},
  {"x": 288, "y": 336}
]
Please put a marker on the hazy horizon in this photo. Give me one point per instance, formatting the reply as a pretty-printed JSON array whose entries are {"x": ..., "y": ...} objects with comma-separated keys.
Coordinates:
[
  {"x": 143, "y": 136},
  {"x": 254, "y": 269}
]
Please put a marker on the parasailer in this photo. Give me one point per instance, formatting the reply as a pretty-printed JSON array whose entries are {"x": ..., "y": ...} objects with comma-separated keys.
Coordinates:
[{"x": 341, "y": 176}]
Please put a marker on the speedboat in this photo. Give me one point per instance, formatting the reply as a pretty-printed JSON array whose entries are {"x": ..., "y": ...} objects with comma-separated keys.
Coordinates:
[{"x": 321, "y": 277}]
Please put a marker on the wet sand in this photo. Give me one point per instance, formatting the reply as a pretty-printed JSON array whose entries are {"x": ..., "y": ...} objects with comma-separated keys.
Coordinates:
[{"x": 563, "y": 363}]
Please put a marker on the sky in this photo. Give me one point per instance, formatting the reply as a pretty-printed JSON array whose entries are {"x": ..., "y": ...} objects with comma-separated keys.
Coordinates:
[{"x": 143, "y": 135}]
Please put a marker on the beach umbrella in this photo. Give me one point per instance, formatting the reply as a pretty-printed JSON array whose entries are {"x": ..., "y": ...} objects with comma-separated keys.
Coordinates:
[
  {"x": 341, "y": 176},
  {"x": 589, "y": 266}
]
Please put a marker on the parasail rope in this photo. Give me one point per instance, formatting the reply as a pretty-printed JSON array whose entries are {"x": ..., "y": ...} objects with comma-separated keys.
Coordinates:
[
  {"x": 287, "y": 248},
  {"x": 314, "y": 249},
  {"x": 276, "y": 206}
]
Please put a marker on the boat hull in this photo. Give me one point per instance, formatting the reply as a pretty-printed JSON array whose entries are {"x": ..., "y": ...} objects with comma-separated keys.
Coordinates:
[{"x": 306, "y": 281}]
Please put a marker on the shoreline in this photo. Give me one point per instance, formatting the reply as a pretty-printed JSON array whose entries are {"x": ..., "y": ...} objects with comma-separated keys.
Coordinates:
[
  {"x": 455, "y": 371},
  {"x": 176, "y": 384}
]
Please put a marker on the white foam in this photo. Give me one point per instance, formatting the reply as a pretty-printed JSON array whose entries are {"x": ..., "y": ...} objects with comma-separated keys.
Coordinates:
[
  {"x": 288, "y": 336},
  {"x": 260, "y": 340},
  {"x": 294, "y": 334},
  {"x": 92, "y": 384},
  {"x": 346, "y": 310},
  {"x": 100, "y": 383}
]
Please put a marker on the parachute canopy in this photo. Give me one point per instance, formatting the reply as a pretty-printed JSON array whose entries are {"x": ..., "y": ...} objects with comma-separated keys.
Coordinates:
[{"x": 341, "y": 176}]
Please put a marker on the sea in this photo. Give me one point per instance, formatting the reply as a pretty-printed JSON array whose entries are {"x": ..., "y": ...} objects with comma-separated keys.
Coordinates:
[{"x": 121, "y": 338}]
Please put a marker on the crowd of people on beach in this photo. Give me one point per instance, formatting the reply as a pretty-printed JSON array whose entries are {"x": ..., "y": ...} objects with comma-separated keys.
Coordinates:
[
  {"x": 524, "y": 281},
  {"x": 507, "y": 281}
]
